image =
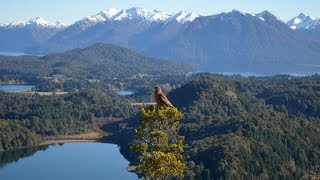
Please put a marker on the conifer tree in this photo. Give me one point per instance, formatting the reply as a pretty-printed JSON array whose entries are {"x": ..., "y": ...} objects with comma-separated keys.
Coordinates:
[{"x": 158, "y": 143}]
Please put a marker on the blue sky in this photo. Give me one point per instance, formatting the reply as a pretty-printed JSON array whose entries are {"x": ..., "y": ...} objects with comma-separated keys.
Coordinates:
[{"x": 69, "y": 11}]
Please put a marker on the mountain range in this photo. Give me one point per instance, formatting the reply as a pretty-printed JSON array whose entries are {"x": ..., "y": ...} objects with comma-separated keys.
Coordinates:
[
  {"x": 303, "y": 21},
  {"x": 19, "y": 35},
  {"x": 232, "y": 41}
]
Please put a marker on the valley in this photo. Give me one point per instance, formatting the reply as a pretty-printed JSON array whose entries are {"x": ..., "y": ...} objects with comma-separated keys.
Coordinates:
[
  {"x": 243, "y": 123},
  {"x": 72, "y": 97}
]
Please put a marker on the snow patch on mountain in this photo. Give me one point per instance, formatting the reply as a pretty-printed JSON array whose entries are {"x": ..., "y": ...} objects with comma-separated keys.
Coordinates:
[
  {"x": 301, "y": 22},
  {"x": 37, "y": 22},
  {"x": 316, "y": 23},
  {"x": 103, "y": 15},
  {"x": 237, "y": 12},
  {"x": 95, "y": 19},
  {"x": 17, "y": 23},
  {"x": 183, "y": 17},
  {"x": 41, "y": 22},
  {"x": 265, "y": 15},
  {"x": 141, "y": 14},
  {"x": 138, "y": 14}
]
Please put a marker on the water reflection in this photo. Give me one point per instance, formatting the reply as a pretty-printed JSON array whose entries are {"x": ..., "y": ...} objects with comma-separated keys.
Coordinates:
[
  {"x": 15, "y": 88},
  {"x": 7, "y": 157},
  {"x": 80, "y": 161},
  {"x": 124, "y": 93}
]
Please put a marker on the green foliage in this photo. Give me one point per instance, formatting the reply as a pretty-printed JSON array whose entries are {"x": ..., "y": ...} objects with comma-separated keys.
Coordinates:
[
  {"x": 29, "y": 119},
  {"x": 159, "y": 145},
  {"x": 104, "y": 62},
  {"x": 250, "y": 128},
  {"x": 235, "y": 129}
]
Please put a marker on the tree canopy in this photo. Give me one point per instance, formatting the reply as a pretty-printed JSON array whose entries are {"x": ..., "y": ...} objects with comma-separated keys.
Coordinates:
[{"x": 158, "y": 143}]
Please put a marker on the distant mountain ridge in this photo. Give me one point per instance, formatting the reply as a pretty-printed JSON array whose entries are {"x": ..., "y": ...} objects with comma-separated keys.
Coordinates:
[
  {"x": 232, "y": 41},
  {"x": 38, "y": 21},
  {"x": 303, "y": 21},
  {"x": 307, "y": 25},
  {"x": 240, "y": 42},
  {"x": 20, "y": 35}
]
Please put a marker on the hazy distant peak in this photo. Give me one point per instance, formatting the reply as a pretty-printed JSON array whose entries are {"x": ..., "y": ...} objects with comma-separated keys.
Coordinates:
[
  {"x": 302, "y": 21},
  {"x": 237, "y": 12},
  {"x": 265, "y": 15},
  {"x": 303, "y": 16},
  {"x": 59, "y": 24}
]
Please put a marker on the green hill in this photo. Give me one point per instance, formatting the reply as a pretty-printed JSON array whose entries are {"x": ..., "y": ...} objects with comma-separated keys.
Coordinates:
[
  {"x": 250, "y": 128},
  {"x": 103, "y": 62},
  {"x": 27, "y": 120}
]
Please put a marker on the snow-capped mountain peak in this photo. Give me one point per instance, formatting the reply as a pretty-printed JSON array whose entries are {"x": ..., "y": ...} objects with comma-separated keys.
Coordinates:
[
  {"x": 103, "y": 15},
  {"x": 17, "y": 23},
  {"x": 39, "y": 21},
  {"x": 183, "y": 17},
  {"x": 59, "y": 24},
  {"x": 265, "y": 15},
  {"x": 36, "y": 22},
  {"x": 95, "y": 19},
  {"x": 109, "y": 13},
  {"x": 138, "y": 13},
  {"x": 302, "y": 21},
  {"x": 304, "y": 17}
]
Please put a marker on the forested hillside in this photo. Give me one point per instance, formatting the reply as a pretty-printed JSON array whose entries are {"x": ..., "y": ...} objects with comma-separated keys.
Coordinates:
[
  {"x": 244, "y": 128},
  {"x": 234, "y": 127},
  {"x": 260, "y": 128},
  {"x": 27, "y": 120},
  {"x": 103, "y": 62}
]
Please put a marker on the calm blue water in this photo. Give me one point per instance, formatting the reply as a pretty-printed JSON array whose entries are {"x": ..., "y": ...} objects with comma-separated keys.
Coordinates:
[
  {"x": 15, "y": 53},
  {"x": 74, "y": 161},
  {"x": 11, "y": 53},
  {"x": 244, "y": 74},
  {"x": 15, "y": 88},
  {"x": 124, "y": 93}
]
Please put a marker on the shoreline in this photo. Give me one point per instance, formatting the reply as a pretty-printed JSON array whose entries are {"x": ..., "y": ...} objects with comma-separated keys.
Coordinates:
[
  {"x": 81, "y": 138},
  {"x": 62, "y": 141},
  {"x": 86, "y": 137}
]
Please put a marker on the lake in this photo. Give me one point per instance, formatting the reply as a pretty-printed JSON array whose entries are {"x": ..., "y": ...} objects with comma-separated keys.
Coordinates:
[
  {"x": 124, "y": 93},
  {"x": 71, "y": 161},
  {"x": 15, "y": 88},
  {"x": 15, "y": 53}
]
